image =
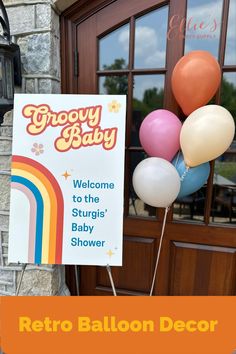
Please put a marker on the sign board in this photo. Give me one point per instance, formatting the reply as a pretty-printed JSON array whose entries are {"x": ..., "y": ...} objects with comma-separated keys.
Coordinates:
[{"x": 67, "y": 179}]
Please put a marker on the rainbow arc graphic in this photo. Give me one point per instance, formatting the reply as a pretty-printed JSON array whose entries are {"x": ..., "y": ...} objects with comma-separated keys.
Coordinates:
[{"x": 46, "y": 209}]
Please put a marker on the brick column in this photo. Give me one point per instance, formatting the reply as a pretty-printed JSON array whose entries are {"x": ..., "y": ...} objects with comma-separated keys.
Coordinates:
[{"x": 35, "y": 28}]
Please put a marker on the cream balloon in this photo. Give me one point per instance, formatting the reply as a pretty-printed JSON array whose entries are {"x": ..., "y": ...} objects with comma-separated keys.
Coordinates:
[
  {"x": 206, "y": 134},
  {"x": 156, "y": 182}
]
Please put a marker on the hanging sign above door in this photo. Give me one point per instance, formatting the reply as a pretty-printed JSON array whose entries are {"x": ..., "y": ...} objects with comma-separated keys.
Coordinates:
[{"x": 67, "y": 179}]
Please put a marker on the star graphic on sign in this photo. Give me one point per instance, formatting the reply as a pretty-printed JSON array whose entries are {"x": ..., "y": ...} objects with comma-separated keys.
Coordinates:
[
  {"x": 110, "y": 253},
  {"x": 66, "y": 175}
]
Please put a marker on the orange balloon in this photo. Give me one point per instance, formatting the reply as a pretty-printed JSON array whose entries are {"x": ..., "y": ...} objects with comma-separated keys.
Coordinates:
[{"x": 195, "y": 79}]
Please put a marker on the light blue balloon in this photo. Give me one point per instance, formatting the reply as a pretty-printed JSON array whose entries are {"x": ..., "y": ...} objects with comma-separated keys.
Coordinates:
[{"x": 194, "y": 179}]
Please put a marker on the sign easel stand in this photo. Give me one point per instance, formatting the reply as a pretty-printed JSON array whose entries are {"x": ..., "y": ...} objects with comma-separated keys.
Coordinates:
[
  {"x": 21, "y": 278},
  {"x": 111, "y": 279},
  {"x": 76, "y": 279},
  {"x": 108, "y": 268}
]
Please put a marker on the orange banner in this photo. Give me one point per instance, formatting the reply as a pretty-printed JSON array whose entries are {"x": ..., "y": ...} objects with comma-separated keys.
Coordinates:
[{"x": 122, "y": 325}]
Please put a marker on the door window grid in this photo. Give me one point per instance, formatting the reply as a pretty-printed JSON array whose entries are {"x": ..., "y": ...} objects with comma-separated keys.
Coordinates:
[
  {"x": 130, "y": 73},
  {"x": 218, "y": 200},
  {"x": 138, "y": 104},
  {"x": 221, "y": 196}
]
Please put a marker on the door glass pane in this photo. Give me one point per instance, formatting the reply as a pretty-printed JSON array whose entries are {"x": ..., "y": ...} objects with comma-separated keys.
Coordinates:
[
  {"x": 190, "y": 207},
  {"x": 203, "y": 25},
  {"x": 224, "y": 191},
  {"x": 114, "y": 49},
  {"x": 148, "y": 94},
  {"x": 230, "y": 52},
  {"x": 136, "y": 206},
  {"x": 228, "y": 93},
  {"x": 150, "y": 39},
  {"x": 113, "y": 85}
]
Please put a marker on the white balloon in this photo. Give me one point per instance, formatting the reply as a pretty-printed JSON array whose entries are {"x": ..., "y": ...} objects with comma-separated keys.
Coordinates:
[{"x": 156, "y": 182}]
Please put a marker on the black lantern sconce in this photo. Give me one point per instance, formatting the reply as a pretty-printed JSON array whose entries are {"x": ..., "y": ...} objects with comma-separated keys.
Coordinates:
[{"x": 10, "y": 65}]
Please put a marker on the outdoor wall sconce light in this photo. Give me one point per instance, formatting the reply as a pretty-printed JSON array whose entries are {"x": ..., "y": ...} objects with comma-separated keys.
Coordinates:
[{"x": 10, "y": 65}]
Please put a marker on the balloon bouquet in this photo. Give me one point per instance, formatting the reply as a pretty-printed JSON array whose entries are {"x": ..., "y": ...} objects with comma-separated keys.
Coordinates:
[{"x": 206, "y": 134}]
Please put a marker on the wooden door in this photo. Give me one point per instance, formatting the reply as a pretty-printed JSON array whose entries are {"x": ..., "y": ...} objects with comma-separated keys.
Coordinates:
[{"x": 130, "y": 47}]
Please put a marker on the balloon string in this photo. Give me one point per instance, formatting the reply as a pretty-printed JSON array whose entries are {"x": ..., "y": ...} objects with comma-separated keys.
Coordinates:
[
  {"x": 185, "y": 173},
  {"x": 159, "y": 250},
  {"x": 177, "y": 159}
]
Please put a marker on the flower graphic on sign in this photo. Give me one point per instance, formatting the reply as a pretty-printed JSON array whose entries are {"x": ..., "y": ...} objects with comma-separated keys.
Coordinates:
[
  {"x": 114, "y": 106},
  {"x": 37, "y": 149}
]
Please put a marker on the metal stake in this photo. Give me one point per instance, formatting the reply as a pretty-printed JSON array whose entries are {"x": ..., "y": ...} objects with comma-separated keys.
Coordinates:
[
  {"x": 21, "y": 278},
  {"x": 111, "y": 280}
]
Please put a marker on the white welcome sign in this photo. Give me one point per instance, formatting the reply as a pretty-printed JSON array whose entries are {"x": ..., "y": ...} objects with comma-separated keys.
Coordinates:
[{"x": 67, "y": 179}]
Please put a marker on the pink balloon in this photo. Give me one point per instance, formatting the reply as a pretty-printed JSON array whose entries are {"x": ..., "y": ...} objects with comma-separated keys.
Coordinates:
[{"x": 159, "y": 134}]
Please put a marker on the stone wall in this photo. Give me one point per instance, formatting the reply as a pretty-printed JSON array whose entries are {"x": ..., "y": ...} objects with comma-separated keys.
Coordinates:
[{"x": 35, "y": 28}]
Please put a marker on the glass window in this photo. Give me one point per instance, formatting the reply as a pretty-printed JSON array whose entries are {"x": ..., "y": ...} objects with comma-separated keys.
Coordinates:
[
  {"x": 228, "y": 93},
  {"x": 203, "y": 25},
  {"x": 230, "y": 52},
  {"x": 223, "y": 208},
  {"x": 148, "y": 94},
  {"x": 113, "y": 85},
  {"x": 114, "y": 49},
  {"x": 191, "y": 207},
  {"x": 150, "y": 39},
  {"x": 224, "y": 190}
]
